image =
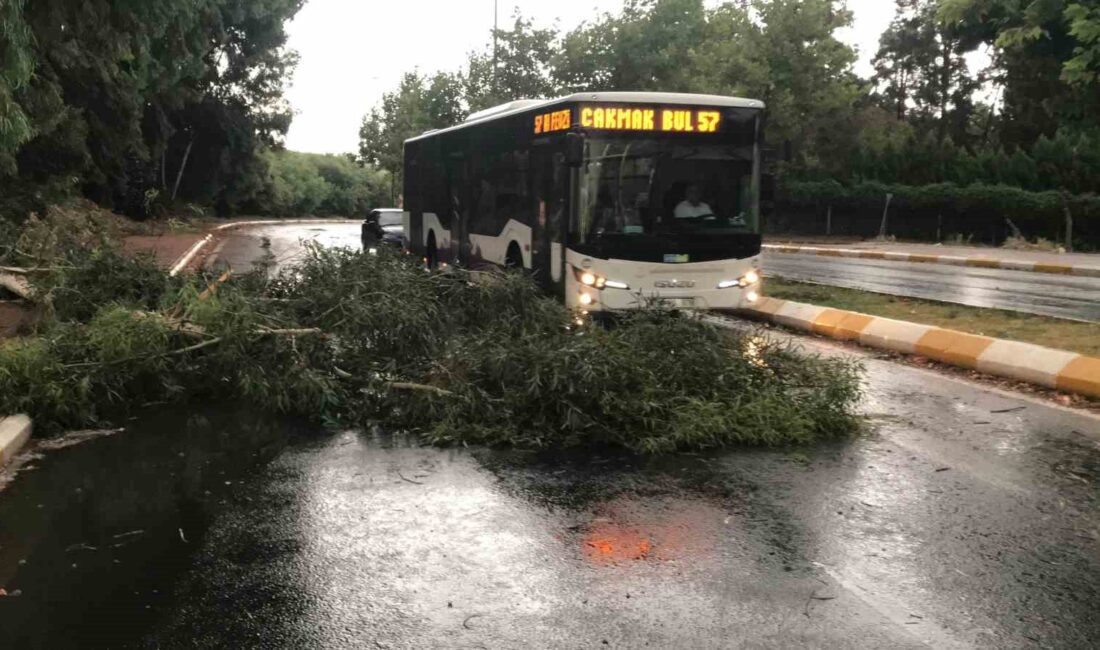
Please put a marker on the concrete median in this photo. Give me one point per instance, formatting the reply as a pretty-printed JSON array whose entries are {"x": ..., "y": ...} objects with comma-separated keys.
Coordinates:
[
  {"x": 1048, "y": 367},
  {"x": 15, "y": 431},
  {"x": 952, "y": 260}
]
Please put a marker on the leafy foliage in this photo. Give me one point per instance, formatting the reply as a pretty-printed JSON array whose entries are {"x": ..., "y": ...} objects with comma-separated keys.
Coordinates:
[
  {"x": 937, "y": 211},
  {"x": 315, "y": 184},
  {"x": 16, "y": 66},
  {"x": 126, "y": 97},
  {"x": 921, "y": 66},
  {"x": 458, "y": 357},
  {"x": 781, "y": 51},
  {"x": 419, "y": 103},
  {"x": 1047, "y": 52},
  {"x": 521, "y": 57}
]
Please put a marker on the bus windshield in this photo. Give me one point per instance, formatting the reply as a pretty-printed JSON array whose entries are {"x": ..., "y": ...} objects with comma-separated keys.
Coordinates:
[{"x": 651, "y": 187}]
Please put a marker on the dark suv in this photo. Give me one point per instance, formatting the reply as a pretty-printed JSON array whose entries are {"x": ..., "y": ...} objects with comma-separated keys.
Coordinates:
[{"x": 384, "y": 226}]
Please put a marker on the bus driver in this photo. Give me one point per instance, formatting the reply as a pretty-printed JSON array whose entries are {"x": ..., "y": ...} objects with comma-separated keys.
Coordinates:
[{"x": 693, "y": 207}]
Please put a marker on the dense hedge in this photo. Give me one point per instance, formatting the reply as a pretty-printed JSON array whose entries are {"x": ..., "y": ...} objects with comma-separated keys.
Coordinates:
[{"x": 934, "y": 212}]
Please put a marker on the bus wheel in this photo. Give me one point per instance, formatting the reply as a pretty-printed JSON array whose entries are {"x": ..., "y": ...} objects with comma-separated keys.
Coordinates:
[
  {"x": 432, "y": 254},
  {"x": 514, "y": 258}
]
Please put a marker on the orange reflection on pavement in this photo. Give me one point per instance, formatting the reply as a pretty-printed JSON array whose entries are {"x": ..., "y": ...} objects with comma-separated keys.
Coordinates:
[{"x": 658, "y": 530}]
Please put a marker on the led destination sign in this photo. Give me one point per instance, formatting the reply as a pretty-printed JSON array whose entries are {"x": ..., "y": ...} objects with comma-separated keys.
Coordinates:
[
  {"x": 633, "y": 118},
  {"x": 556, "y": 121},
  {"x": 668, "y": 120}
]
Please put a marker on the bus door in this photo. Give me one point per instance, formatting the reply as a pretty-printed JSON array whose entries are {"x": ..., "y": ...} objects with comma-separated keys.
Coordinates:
[
  {"x": 458, "y": 198},
  {"x": 550, "y": 180}
]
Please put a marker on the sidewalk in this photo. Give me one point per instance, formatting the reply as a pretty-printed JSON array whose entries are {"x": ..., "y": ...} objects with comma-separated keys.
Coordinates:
[{"x": 1086, "y": 264}]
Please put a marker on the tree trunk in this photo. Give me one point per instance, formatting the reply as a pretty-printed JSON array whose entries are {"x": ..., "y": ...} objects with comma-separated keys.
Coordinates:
[
  {"x": 829, "y": 220},
  {"x": 1069, "y": 221},
  {"x": 945, "y": 88},
  {"x": 183, "y": 166}
]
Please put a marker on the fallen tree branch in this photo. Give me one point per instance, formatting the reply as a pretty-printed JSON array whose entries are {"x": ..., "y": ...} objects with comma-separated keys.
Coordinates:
[
  {"x": 19, "y": 270},
  {"x": 290, "y": 332},
  {"x": 16, "y": 284},
  {"x": 403, "y": 385},
  {"x": 213, "y": 286},
  {"x": 192, "y": 348}
]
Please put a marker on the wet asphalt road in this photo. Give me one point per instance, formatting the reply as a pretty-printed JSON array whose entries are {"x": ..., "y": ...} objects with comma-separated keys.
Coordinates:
[
  {"x": 963, "y": 517},
  {"x": 1076, "y": 298},
  {"x": 240, "y": 248}
]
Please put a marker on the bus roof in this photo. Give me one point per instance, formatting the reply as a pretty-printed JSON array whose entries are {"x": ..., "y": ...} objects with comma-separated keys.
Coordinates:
[{"x": 526, "y": 105}]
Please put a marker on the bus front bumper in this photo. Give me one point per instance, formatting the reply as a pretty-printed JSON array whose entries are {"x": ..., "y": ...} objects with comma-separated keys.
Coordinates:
[{"x": 621, "y": 286}]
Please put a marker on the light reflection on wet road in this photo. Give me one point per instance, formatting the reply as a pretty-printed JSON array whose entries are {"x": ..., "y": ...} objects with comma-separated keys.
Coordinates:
[
  {"x": 963, "y": 517},
  {"x": 240, "y": 248},
  {"x": 1061, "y": 296}
]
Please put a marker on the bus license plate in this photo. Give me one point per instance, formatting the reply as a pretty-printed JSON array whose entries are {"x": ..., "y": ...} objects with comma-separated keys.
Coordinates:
[{"x": 680, "y": 303}]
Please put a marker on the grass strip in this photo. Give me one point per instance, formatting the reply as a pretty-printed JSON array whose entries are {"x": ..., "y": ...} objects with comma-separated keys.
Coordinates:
[{"x": 1058, "y": 333}]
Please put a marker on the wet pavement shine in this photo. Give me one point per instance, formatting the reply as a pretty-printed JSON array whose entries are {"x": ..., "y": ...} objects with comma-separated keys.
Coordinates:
[
  {"x": 962, "y": 517},
  {"x": 1060, "y": 296}
]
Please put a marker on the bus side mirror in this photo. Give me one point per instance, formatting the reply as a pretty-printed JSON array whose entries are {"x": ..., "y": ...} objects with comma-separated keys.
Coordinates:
[{"x": 574, "y": 149}]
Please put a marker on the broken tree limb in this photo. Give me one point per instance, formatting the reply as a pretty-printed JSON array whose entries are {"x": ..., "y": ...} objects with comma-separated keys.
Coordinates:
[
  {"x": 194, "y": 348},
  {"x": 213, "y": 286},
  {"x": 403, "y": 385},
  {"x": 291, "y": 332},
  {"x": 16, "y": 284},
  {"x": 21, "y": 270}
]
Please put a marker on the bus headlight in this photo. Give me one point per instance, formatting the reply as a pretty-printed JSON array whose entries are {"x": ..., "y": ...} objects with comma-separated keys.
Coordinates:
[
  {"x": 591, "y": 279},
  {"x": 749, "y": 279},
  {"x": 585, "y": 299},
  {"x": 752, "y": 296},
  {"x": 587, "y": 278}
]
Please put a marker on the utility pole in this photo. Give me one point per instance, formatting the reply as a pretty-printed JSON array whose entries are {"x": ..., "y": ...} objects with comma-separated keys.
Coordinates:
[
  {"x": 496, "y": 3},
  {"x": 885, "y": 212}
]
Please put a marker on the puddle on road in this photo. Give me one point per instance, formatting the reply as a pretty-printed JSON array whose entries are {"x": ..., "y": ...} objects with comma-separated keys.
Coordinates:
[{"x": 120, "y": 517}]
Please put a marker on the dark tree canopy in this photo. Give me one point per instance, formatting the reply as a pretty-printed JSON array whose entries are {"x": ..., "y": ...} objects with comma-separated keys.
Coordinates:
[{"x": 114, "y": 99}]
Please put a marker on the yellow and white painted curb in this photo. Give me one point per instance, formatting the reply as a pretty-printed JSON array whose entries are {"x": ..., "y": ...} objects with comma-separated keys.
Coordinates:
[
  {"x": 195, "y": 249},
  {"x": 953, "y": 260},
  {"x": 15, "y": 431},
  {"x": 1048, "y": 367}
]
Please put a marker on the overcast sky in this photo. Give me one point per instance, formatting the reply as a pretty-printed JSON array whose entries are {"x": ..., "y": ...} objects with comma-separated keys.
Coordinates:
[{"x": 352, "y": 51}]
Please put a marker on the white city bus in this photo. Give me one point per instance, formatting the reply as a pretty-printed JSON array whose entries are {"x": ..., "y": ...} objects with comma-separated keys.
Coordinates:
[{"x": 609, "y": 199}]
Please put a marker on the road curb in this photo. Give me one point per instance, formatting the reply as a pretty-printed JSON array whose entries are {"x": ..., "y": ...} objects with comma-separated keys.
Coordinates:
[
  {"x": 15, "y": 431},
  {"x": 952, "y": 260},
  {"x": 1048, "y": 367},
  {"x": 184, "y": 260}
]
